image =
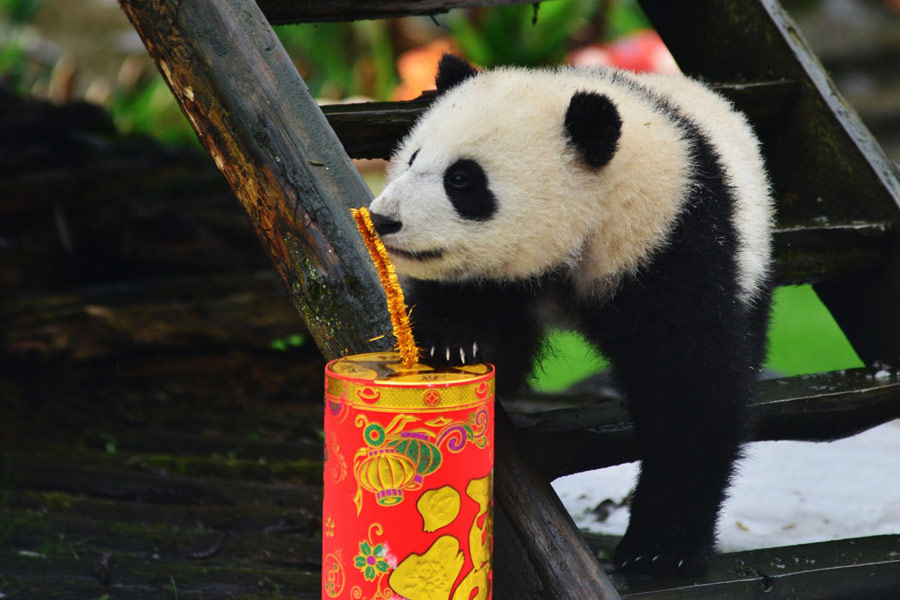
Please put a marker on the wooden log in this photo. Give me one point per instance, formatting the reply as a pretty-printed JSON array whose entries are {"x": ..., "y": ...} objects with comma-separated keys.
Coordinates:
[
  {"x": 859, "y": 568},
  {"x": 821, "y": 407},
  {"x": 186, "y": 313},
  {"x": 373, "y": 129},
  {"x": 92, "y": 225},
  {"x": 230, "y": 75},
  {"x": 286, "y": 11},
  {"x": 541, "y": 517},
  {"x": 255, "y": 117},
  {"x": 817, "y": 250},
  {"x": 76, "y": 573}
]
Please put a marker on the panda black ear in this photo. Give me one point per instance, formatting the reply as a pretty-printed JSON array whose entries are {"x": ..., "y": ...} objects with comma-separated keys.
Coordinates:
[
  {"x": 593, "y": 126},
  {"x": 452, "y": 70}
]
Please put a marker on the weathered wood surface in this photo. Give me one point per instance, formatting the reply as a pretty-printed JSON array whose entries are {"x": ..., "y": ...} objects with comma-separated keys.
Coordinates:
[
  {"x": 597, "y": 432},
  {"x": 541, "y": 517},
  {"x": 290, "y": 11},
  {"x": 253, "y": 114},
  {"x": 822, "y": 159},
  {"x": 81, "y": 204},
  {"x": 255, "y": 117},
  {"x": 373, "y": 129},
  {"x": 862, "y": 568},
  {"x": 203, "y": 475},
  {"x": 164, "y": 314}
]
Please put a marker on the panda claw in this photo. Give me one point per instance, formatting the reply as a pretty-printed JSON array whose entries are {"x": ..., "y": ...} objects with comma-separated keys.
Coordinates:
[
  {"x": 432, "y": 352},
  {"x": 680, "y": 562},
  {"x": 447, "y": 353},
  {"x": 462, "y": 355},
  {"x": 474, "y": 349}
]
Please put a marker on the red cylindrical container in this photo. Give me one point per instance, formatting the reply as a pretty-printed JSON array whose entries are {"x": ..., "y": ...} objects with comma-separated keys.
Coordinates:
[{"x": 409, "y": 455}]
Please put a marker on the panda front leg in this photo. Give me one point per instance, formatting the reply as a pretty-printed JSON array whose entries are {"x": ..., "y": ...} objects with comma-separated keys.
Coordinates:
[
  {"x": 461, "y": 323},
  {"x": 687, "y": 389}
]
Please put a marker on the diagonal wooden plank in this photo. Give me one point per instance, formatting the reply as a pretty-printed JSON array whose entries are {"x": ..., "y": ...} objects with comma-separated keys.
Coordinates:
[
  {"x": 824, "y": 162},
  {"x": 253, "y": 114}
]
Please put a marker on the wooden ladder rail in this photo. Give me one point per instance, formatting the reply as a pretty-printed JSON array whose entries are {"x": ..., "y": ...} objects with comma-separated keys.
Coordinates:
[{"x": 268, "y": 137}]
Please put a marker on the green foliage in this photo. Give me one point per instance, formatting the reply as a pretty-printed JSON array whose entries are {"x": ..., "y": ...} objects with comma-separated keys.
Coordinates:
[
  {"x": 150, "y": 108},
  {"x": 803, "y": 338},
  {"x": 284, "y": 344},
  {"x": 529, "y": 36},
  {"x": 512, "y": 34},
  {"x": 19, "y": 11},
  {"x": 624, "y": 17},
  {"x": 338, "y": 60},
  {"x": 12, "y": 61},
  {"x": 13, "y": 57}
]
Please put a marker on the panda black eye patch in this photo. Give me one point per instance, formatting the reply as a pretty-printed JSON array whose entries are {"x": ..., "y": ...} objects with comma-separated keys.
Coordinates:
[{"x": 467, "y": 187}]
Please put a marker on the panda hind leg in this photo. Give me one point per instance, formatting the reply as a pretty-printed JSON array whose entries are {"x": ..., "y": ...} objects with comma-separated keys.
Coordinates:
[{"x": 688, "y": 398}]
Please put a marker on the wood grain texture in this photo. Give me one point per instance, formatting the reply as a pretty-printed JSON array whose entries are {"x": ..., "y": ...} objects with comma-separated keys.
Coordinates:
[
  {"x": 373, "y": 129},
  {"x": 597, "y": 432},
  {"x": 164, "y": 314},
  {"x": 255, "y": 117},
  {"x": 290, "y": 11},
  {"x": 836, "y": 570},
  {"x": 823, "y": 161},
  {"x": 539, "y": 516}
]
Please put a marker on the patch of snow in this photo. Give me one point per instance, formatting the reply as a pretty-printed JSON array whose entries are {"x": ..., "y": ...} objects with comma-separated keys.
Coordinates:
[
  {"x": 31, "y": 554},
  {"x": 883, "y": 374},
  {"x": 785, "y": 492}
]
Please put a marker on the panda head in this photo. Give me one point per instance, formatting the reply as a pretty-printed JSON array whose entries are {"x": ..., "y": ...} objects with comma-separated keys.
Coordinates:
[{"x": 499, "y": 178}]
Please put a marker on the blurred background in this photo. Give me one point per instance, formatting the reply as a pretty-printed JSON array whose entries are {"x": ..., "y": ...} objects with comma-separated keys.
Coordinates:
[{"x": 80, "y": 66}]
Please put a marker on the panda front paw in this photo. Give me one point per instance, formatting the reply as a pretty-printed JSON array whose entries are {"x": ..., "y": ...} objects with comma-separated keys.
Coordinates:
[
  {"x": 453, "y": 354},
  {"x": 671, "y": 558}
]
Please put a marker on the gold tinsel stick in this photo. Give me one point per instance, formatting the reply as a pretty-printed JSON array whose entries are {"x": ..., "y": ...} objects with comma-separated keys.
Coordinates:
[{"x": 406, "y": 345}]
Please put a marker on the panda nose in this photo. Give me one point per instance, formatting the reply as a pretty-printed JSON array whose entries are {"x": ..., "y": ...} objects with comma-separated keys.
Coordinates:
[{"x": 385, "y": 225}]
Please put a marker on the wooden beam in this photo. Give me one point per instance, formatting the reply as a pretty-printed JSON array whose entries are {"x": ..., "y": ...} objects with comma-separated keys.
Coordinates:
[
  {"x": 815, "y": 251},
  {"x": 823, "y": 160},
  {"x": 866, "y": 567},
  {"x": 253, "y": 114},
  {"x": 281, "y": 12},
  {"x": 598, "y": 432},
  {"x": 373, "y": 129},
  {"x": 244, "y": 311}
]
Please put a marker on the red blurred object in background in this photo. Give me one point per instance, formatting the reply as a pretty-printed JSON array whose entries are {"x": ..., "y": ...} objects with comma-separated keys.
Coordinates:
[
  {"x": 418, "y": 68},
  {"x": 642, "y": 52}
]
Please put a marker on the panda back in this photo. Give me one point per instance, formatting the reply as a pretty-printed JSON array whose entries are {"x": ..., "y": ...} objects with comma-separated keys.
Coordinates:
[{"x": 737, "y": 147}]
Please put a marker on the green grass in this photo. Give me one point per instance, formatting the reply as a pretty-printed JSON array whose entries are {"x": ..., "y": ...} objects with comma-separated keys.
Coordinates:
[{"x": 803, "y": 338}]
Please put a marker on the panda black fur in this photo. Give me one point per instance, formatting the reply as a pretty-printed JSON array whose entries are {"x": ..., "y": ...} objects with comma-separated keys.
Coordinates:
[{"x": 632, "y": 208}]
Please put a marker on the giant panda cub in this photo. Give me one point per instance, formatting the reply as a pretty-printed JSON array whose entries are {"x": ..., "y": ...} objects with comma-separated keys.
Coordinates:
[{"x": 634, "y": 209}]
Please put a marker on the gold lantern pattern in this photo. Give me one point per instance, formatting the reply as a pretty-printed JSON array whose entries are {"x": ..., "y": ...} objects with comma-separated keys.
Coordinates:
[{"x": 401, "y": 455}]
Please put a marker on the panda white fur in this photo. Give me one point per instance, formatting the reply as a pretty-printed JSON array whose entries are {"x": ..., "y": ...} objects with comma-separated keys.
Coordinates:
[{"x": 632, "y": 208}]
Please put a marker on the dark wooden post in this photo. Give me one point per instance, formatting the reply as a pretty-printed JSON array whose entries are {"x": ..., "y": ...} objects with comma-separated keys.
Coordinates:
[
  {"x": 823, "y": 161},
  {"x": 255, "y": 117}
]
